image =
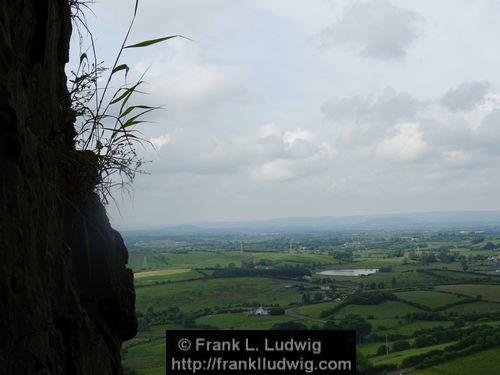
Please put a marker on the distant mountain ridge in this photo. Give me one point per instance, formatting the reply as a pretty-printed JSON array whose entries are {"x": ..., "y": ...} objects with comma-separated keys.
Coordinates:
[{"x": 460, "y": 220}]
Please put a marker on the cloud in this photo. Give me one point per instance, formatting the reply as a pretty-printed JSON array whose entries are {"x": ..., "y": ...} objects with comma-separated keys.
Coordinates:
[
  {"x": 393, "y": 129},
  {"x": 160, "y": 141},
  {"x": 375, "y": 29},
  {"x": 187, "y": 81},
  {"x": 267, "y": 154},
  {"x": 361, "y": 119},
  {"x": 313, "y": 164},
  {"x": 390, "y": 107},
  {"x": 274, "y": 171},
  {"x": 466, "y": 96},
  {"x": 488, "y": 134},
  {"x": 426, "y": 143},
  {"x": 405, "y": 145},
  {"x": 456, "y": 157},
  {"x": 267, "y": 130}
]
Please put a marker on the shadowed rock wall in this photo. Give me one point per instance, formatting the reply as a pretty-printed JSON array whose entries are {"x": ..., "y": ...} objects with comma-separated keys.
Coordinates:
[{"x": 66, "y": 296}]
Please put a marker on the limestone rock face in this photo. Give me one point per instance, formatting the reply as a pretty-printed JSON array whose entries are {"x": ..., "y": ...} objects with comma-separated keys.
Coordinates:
[{"x": 67, "y": 300}]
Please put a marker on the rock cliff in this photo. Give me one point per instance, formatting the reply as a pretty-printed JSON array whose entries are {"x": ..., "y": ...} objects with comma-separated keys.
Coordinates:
[{"x": 66, "y": 296}]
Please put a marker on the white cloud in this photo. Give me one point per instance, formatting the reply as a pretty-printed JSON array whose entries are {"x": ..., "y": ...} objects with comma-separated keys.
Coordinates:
[
  {"x": 429, "y": 143},
  {"x": 405, "y": 145},
  {"x": 160, "y": 141},
  {"x": 186, "y": 81},
  {"x": 363, "y": 119},
  {"x": 423, "y": 133},
  {"x": 456, "y": 157},
  {"x": 266, "y": 150},
  {"x": 267, "y": 130},
  {"x": 375, "y": 29},
  {"x": 291, "y": 138},
  {"x": 274, "y": 171}
]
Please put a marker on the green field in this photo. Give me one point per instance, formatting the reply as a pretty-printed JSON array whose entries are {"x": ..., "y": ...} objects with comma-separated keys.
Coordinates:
[
  {"x": 192, "y": 259},
  {"x": 408, "y": 329},
  {"x": 148, "y": 358},
  {"x": 176, "y": 289},
  {"x": 429, "y": 298},
  {"x": 370, "y": 262},
  {"x": 211, "y": 293},
  {"x": 482, "y": 363},
  {"x": 386, "y": 310},
  {"x": 147, "y": 351},
  {"x": 166, "y": 275},
  {"x": 403, "y": 275},
  {"x": 160, "y": 273},
  {"x": 459, "y": 276},
  {"x": 488, "y": 292},
  {"x": 398, "y": 357},
  {"x": 315, "y": 310},
  {"x": 211, "y": 259},
  {"x": 239, "y": 320},
  {"x": 474, "y": 307}
]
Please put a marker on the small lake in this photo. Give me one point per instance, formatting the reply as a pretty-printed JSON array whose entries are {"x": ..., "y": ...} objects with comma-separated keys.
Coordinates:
[{"x": 351, "y": 272}]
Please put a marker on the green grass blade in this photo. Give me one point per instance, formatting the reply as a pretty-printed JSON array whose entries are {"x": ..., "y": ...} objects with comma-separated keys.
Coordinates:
[
  {"x": 131, "y": 108},
  {"x": 121, "y": 67},
  {"x": 151, "y": 41}
]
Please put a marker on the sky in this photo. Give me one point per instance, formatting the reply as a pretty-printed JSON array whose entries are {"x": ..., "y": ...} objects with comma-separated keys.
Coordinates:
[{"x": 288, "y": 108}]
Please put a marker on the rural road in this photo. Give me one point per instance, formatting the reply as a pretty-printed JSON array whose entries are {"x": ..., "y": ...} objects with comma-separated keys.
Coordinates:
[{"x": 293, "y": 314}]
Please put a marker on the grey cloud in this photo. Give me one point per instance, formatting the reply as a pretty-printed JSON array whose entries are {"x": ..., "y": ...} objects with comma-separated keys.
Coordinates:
[
  {"x": 365, "y": 127},
  {"x": 188, "y": 83},
  {"x": 488, "y": 134},
  {"x": 446, "y": 132},
  {"x": 466, "y": 96},
  {"x": 388, "y": 108},
  {"x": 399, "y": 128},
  {"x": 234, "y": 154},
  {"x": 377, "y": 29}
]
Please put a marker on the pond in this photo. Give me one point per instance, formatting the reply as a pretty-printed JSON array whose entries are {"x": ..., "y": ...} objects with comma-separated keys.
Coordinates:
[{"x": 351, "y": 272}]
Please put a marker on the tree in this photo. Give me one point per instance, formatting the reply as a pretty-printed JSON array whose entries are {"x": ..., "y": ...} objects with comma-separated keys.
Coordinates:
[
  {"x": 400, "y": 345},
  {"x": 343, "y": 255},
  {"x": 424, "y": 340},
  {"x": 382, "y": 350},
  {"x": 247, "y": 263},
  {"x": 277, "y": 311},
  {"x": 306, "y": 298},
  {"x": 429, "y": 258},
  {"x": 363, "y": 365},
  {"x": 331, "y": 325},
  {"x": 290, "y": 326},
  {"x": 489, "y": 246},
  {"x": 358, "y": 324}
]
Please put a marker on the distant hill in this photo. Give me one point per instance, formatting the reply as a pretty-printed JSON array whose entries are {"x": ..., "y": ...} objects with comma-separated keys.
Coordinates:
[{"x": 459, "y": 220}]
